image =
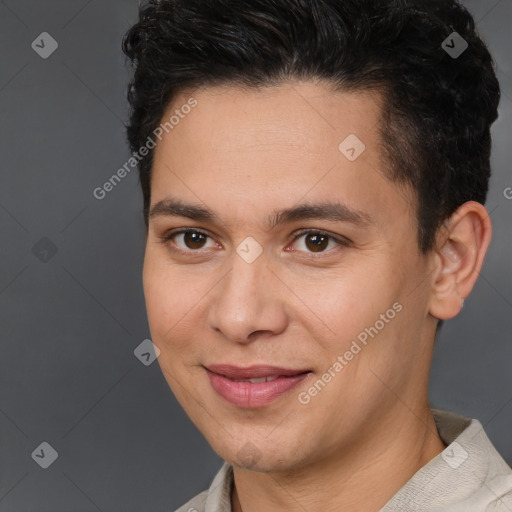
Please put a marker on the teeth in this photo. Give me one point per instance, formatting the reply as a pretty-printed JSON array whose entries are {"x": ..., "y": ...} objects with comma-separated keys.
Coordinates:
[{"x": 259, "y": 379}]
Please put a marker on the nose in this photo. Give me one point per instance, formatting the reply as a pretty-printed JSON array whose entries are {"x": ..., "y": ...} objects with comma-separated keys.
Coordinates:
[{"x": 248, "y": 302}]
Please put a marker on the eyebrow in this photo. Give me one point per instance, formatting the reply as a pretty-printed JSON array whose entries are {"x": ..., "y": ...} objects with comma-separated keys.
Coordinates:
[{"x": 337, "y": 212}]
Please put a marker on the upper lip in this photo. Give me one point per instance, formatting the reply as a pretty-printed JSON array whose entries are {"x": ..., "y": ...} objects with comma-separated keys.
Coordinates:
[{"x": 251, "y": 372}]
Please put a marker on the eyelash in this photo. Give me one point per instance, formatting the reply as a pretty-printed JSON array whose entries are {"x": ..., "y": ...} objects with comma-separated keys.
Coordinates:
[{"x": 341, "y": 241}]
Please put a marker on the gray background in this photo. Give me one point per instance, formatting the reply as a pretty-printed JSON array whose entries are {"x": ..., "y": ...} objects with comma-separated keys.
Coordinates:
[{"x": 71, "y": 319}]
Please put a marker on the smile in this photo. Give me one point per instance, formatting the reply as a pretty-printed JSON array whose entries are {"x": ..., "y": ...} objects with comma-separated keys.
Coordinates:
[{"x": 255, "y": 386}]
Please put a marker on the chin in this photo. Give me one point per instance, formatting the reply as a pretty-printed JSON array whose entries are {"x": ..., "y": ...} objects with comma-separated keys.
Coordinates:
[{"x": 264, "y": 459}]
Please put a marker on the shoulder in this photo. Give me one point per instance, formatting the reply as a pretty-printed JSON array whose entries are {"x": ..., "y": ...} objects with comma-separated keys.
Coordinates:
[
  {"x": 495, "y": 495},
  {"x": 196, "y": 504},
  {"x": 502, "y": 494},
  {"x": 476, "y": 467}
]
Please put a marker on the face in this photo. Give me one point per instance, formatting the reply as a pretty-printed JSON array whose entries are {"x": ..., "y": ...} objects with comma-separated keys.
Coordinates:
[{"x": 275, "y": 241}]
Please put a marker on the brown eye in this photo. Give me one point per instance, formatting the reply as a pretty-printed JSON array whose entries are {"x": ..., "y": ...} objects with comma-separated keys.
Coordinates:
[
  {"x": 194, "y": 239},
  {"x": 188, "y": 240},
  {"x": 316, "y": 243}
]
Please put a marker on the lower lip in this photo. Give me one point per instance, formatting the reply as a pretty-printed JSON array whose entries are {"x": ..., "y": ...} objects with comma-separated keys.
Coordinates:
[{"x": 247, "y": 394}]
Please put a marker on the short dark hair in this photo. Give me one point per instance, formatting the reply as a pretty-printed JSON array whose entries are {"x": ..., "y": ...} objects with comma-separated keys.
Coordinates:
[{"x": 435, "y": 125}]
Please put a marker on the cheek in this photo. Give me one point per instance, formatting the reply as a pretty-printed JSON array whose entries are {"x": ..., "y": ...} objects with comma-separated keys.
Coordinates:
[
  {"x": 176, "y": 302},
  {"x": 168, "y": 298},
  {"x": 346, "y": 298},
  {"x": 351, "y": 306}
]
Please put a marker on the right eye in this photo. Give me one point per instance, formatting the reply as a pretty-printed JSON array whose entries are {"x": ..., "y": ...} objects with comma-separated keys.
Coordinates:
[{"x": 187, "y": 240}]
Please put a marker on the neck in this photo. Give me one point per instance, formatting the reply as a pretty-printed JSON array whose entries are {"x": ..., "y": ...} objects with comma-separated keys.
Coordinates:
[{"x": 381, "y": 463}]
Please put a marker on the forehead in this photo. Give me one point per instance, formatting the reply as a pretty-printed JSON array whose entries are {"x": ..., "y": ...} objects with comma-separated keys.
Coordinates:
[
  {"x": 293, "y": 115},
  {"x": 274, "y": 146}
]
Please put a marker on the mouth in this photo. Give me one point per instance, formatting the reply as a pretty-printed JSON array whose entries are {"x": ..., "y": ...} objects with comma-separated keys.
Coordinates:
[{"x": 254, "y": 386}]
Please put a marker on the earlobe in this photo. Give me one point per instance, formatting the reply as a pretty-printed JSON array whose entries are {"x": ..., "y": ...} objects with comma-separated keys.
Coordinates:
[{"x": 461, "y": 246}]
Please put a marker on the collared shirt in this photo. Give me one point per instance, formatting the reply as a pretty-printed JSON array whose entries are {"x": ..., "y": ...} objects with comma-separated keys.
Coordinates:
[{"x": 469, "y": 475}]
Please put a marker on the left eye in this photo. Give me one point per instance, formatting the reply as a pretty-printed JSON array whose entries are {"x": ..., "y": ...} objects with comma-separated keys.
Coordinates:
[{"x": 315, "y": 242}]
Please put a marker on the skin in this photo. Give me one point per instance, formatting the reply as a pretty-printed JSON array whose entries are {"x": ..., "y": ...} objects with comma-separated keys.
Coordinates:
[{"x": 245, "y": 154}]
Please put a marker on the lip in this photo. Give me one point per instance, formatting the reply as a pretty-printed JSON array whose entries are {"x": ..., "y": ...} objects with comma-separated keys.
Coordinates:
[
  {"x": 252, "y": 372},
  {"x": 252, "y": 395}
]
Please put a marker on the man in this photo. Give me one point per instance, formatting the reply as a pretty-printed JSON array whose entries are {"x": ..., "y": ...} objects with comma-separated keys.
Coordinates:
[{"x": 314, "y": 175}]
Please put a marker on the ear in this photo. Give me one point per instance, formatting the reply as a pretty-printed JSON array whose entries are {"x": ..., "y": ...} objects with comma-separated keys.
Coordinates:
[{"x": 461, "y": 245}]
